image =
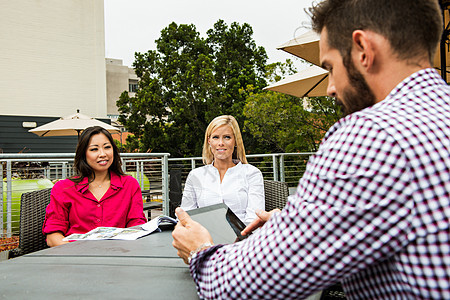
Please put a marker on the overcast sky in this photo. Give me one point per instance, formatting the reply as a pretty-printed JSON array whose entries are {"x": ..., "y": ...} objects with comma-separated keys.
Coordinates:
[{"x": 134, "y": 25}]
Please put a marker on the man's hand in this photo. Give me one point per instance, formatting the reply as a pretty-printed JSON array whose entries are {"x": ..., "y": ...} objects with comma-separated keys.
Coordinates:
[
  {"x": 263, "y": 217},
  {"x": 188, "y": 235}
]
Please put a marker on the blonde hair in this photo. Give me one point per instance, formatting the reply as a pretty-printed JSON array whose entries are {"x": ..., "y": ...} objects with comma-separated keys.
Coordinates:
[{"x": 239, "y": 150}]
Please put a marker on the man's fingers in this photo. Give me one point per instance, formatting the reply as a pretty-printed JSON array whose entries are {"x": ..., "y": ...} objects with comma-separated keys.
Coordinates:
[
  {"x": 182, "y": 256},
  {"x": 263, "y": 217},
  {"x": 183, "y": 216},
  {"x": 252, "y": 226}
]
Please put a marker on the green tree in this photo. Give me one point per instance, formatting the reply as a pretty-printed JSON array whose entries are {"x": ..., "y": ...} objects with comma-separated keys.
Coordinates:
[
  {"x": 285, "y": 123},
  {"x": 289, "y": 124},
  {"x": 187, "y": 82}
]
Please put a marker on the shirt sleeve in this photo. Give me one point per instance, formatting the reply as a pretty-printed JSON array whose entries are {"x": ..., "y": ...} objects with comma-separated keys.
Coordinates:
[
  {"x": 135, "y": 214},
  {"x": 57, "y": 212},
  {"x": 255, "y": 198},
  {"x": 352, "y": 208},
  {"x": 189, "y": 199}
]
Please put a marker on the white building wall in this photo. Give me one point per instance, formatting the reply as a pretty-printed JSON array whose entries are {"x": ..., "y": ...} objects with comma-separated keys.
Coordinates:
[
  {"x": 116, "y": 84},
  {"x": 118, "y": 78},
  {"x": 52, "y": 57}
]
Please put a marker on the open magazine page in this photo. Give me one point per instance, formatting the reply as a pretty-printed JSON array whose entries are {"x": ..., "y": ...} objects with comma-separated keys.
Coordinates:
[{"x": 114, "y": 233}]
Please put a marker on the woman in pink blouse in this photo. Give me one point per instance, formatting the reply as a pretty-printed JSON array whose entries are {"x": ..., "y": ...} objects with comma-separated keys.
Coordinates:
[{"x": 100, "y": 194}]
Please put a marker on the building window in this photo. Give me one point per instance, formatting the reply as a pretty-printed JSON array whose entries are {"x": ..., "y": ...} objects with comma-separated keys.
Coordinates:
[{"x": 132, "y": 87}]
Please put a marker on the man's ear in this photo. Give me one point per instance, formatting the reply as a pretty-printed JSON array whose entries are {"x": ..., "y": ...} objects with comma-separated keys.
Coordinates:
[{"x": 363, "y": 49}]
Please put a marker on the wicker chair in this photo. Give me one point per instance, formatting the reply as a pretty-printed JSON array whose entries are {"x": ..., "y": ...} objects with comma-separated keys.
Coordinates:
[
  {"x": 32, "y": 215},
  {"x": 276, "y": 193}
]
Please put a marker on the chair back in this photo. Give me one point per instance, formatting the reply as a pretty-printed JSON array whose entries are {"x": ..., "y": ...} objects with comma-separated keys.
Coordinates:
[
  {"x": 175, "y": 190},
  {"x": 32, "y": 215},
  {"x": 275, "y": 193}
]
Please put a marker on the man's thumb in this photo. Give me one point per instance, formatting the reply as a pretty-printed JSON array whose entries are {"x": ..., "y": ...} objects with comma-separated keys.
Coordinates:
[{"x": 183, "y": 216}]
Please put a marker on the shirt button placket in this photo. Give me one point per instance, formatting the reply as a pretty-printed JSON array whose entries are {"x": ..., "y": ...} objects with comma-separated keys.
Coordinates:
[{"x": 99, "y": 212}]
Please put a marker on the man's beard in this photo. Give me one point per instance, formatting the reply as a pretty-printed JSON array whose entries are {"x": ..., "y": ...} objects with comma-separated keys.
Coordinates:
[{"x": 358, "y": 95}]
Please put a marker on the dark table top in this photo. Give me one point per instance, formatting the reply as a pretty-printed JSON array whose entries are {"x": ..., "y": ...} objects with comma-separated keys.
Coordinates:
[
  {"x": 157, "y": 244},
  {"x": 142, "y": 269}
]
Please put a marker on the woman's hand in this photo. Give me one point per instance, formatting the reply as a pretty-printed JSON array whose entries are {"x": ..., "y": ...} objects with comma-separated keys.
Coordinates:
[
  {"x": 55, "y": 239},
  {"x": 263, "y": 217}
]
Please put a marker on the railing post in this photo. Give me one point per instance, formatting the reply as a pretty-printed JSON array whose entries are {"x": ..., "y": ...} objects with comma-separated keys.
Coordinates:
[
  {"x": 64, "y": 170},
  {"x": 193, "y": 163},
  {"x": 8, "y": 199},
  {"x": 282, "y": 178},
  {"x": 165, "y": 184},
  {"x": 140, "y": 173},
  {"x": 137, "y": 174},
  {"x": 275, "y": 167},
  {"x": 124, "y": 166}
]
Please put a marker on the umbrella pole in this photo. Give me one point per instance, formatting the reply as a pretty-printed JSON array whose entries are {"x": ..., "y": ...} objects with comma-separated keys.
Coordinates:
[{"x": 306, "y": 94}]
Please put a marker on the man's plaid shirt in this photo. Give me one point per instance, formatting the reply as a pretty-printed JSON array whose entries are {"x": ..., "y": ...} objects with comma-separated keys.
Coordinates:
[{"x": 372, "y": 210}]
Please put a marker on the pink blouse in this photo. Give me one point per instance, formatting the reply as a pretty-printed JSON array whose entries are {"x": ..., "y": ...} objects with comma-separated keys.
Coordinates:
[{"x": 74, "y": 209}]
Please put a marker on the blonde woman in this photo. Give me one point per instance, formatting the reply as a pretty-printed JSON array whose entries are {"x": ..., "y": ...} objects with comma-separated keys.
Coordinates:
[{"x": 226, "y": 176}]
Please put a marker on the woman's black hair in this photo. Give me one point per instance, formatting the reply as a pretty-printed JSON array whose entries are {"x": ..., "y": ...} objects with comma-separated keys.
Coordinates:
[{"x": 80, "y": 165}]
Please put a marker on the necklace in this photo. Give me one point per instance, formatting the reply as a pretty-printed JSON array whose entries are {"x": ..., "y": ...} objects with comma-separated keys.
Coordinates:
[{"x": 98, "y": 185}]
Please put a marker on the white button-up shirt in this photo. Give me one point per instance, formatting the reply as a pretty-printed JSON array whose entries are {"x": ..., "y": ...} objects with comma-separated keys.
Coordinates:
[{"x": 242, "y": 189}]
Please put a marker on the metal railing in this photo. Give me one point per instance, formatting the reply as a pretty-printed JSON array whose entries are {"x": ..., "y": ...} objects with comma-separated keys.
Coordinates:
[
  {"x": 150, "y": 169},
  {"x": 26, "y": 172},
  {"x": 286, "y": 167}
]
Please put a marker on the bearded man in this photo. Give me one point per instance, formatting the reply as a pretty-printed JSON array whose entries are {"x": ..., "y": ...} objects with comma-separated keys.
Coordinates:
[{"x": 373, "y": 207}]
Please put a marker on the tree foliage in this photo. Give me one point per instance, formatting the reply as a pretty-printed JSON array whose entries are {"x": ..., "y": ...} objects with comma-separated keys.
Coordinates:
[
  {"x": 187, "y": 81},
  {"x": 289, "y": 124},
  {"x": 284, "y": 123}
]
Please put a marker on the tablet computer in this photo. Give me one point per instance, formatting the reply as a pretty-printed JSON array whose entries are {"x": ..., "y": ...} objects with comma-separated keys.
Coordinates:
[{"x": 223, "y": 225}]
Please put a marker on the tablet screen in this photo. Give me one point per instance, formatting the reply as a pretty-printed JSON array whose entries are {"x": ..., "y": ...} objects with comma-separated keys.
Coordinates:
[{"x": 223, "y": 225}]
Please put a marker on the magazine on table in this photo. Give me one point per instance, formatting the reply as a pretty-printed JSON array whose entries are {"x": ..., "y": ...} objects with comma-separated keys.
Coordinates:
[{"x": 114, "y": 233}]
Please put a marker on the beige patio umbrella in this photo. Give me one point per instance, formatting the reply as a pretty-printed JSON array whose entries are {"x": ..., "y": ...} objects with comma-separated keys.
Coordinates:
[
  {"x": 310, "y": 82},
  {"x": 313, "y": 81},
  {"x": 305, "y": 46},
  {"x": 437, "y": 59},
  {"x": 71, "y": 125}
]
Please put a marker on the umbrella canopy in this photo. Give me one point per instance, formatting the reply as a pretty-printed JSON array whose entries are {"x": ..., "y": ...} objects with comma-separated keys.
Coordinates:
[
  {"x": 310, "y": 82},
  {"x": 313, "y": 81},
  {"x": 437, "y": 59},
  {"x": 71, "y": 125},
  {"x": 305, "y": 46}
]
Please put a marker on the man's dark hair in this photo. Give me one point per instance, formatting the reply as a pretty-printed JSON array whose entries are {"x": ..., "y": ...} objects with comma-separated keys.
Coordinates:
[
  {"x": 412, "y": 27},
  {"x": 80, "y": 164}
]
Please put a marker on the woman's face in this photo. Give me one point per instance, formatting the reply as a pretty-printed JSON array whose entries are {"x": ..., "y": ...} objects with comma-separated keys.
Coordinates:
[
  {"x": 99, "y": 153},
  {"x": 222, "y": 143}
]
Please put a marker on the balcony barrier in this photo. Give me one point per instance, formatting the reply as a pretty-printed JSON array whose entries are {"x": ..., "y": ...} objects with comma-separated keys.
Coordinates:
[
  {"x": 26, "y": 172},
  {"x": 286, "y": 167}
]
